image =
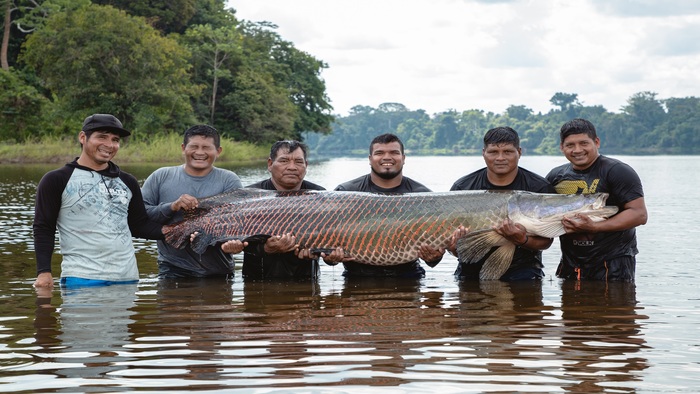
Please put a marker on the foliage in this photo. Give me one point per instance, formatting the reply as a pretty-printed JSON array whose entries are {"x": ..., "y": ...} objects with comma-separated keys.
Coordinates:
[
  {"x": 646, "y": 125},
  {"x": 159, "y": 66},
  {"x": 20, "y": 106},
  {"x": 125, "y": 68}
]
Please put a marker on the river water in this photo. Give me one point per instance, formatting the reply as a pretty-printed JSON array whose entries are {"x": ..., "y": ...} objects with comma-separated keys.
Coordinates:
[{"x": 393, "y": 336}]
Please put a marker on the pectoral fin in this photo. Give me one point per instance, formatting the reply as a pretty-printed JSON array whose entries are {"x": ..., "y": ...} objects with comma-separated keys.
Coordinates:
[
  {"x": 475, "y": 246},
  {"x": 498, "y": 263}
]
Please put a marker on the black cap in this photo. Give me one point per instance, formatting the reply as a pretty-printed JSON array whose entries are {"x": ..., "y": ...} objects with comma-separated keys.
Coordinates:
[{"x": 104, "y": 122}]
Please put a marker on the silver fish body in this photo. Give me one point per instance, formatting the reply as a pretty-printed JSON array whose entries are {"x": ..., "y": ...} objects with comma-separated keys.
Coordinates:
[{"x": 384, "y": 229}]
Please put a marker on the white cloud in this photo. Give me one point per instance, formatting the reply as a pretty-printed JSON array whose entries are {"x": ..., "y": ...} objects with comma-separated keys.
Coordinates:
[{"x": 459, "y": 54}]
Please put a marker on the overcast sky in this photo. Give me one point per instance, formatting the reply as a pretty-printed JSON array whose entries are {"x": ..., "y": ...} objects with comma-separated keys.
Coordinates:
[{"x": 439, "y": 55}]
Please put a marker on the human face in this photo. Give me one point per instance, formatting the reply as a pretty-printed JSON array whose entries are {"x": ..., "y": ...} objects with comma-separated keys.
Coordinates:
[
  {"x": 387, "y": 160},
  {"x": 200, "y": 154},
  {"x": 501, "y": 159},
  {"x": 581, "y": 150},
  {"x": 288, "y": 169},
  {"x": 98, "y": 149}
]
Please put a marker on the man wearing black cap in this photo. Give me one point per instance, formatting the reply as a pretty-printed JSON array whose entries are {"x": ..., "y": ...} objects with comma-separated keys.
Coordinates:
[{"x": 96, "y": 209}]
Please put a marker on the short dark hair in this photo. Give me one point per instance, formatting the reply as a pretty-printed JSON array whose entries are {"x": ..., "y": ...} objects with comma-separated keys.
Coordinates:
[
  {"x": 204, "y": 131},
  {"x": 290, "y": 145},
  {"x": 577, "y": 126},
  {"x": 501, "y": 135},
  {"x": 385, "y": 139}
]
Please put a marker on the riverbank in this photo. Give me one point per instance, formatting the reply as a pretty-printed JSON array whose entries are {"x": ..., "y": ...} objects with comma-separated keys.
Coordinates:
[{"x": 161, "y": 149}]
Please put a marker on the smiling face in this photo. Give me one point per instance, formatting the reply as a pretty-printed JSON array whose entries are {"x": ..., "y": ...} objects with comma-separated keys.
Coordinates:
[
  {"x": 387, "y": 160},
  {"x": 99, "y": 147},
  {"x": 200, "y": 154},
  {"x": 581, "y": 150}
]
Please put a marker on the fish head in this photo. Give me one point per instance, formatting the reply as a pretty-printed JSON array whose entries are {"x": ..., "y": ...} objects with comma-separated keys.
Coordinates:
[{"x": 542, "y": 214}]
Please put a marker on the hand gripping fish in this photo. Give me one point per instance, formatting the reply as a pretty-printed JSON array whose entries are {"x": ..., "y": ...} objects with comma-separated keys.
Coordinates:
[{"x": 384, "y": 229}]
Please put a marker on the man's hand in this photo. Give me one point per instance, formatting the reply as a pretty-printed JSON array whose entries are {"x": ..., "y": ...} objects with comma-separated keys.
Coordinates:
[
  {"x": 44, "y": 279},
  {"x": 281, "y": 244},
  {"x": 233, "y": 246},
  {"x": 578, "y": 223},
  {"x": 430, "y": 255},
  {"x": 461, "y": 232},
  {"x": 513, "y": 232},
  {"x": 185, "y": 202},
  {"x": 335, "y": 257}
]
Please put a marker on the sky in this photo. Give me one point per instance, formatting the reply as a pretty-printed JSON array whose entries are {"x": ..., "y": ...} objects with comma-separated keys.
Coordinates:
[{"x": 440, "y": 55}]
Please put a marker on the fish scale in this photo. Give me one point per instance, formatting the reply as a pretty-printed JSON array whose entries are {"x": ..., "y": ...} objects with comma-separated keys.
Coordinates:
[{"x": 383, "y": 229}]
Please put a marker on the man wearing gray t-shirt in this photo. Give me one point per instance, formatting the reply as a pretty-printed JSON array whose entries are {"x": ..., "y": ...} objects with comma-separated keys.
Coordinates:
[{"x": 169, "y": 191}]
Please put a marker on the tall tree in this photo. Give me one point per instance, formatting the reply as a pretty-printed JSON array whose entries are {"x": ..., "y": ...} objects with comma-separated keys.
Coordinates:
[
  {"x": 564, "y": 100},
  {"x": 296, "y": 71},
  {"x": 213, "y": 48},
  {"x": 120, "y": 65}
]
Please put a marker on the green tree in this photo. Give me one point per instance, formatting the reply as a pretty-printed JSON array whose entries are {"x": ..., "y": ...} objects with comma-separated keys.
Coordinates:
[
  {"x": 256, "y": 109},
  {"x": 519, "y": 112},
  {"x": 564, "y": 100},
  {"x": 212, "y": 49},
  {"x": 120, "y": 65},
  {"x": 168, "y": 16},
  {"x": 294, "y": 70},
  {"x": 21, "y": 105}
]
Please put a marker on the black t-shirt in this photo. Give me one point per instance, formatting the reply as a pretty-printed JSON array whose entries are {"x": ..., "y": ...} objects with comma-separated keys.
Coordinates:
[
  {"x": 605, "y": 175},
  {"x": 525, "y": 261},
  {"x": 365, "y": 184},
  {"x": 408, "y": 270},
  {"x": 260, "y": 265}
]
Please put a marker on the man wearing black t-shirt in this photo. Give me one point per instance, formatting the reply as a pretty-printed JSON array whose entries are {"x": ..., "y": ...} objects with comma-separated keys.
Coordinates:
[
  {"x": 386, "y": 158},
  {"x": 280, "y": 257},
  {"x": 603, "y": 250},
  {"x": 502, "y": 153}
]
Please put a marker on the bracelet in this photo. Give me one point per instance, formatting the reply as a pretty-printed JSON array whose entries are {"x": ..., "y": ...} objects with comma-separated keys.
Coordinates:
[{"x": 525, "y": 241}]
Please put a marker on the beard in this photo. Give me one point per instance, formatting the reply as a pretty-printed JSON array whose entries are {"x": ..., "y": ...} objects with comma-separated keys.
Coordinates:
[{"x": 387, "y": 175}]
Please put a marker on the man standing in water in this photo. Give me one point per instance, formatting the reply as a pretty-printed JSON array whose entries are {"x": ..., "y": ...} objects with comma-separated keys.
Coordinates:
[
  {"x": 280, "y": 256},
  {"x": 96, "y": 209},
  {"x": 501, "y": 154},
  {"x": 603, "y": 250},
  {"x": 386, "y": 160},
  {"x": 169, "y": 191}
]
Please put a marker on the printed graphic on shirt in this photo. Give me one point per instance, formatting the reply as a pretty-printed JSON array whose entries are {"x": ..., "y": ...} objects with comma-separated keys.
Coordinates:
[
  {"x": 578, "y": 186},
  {"x": 104, "y": 199}
]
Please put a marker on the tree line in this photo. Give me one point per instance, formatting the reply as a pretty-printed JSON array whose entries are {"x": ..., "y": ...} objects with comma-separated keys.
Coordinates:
[
  {"x": 645, "y": 125},
  {"x": 163, "y": 65},
  {"x": 158, "y": 65}
]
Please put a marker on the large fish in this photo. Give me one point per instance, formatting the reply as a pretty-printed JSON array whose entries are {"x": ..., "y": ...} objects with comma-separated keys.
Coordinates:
[{"x": 384, "y": 229}]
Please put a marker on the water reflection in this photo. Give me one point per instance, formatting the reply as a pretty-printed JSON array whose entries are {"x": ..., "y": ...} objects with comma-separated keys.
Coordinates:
[
  {"x": 602, "y": 337},
  {"x": 83, "y": 340}
]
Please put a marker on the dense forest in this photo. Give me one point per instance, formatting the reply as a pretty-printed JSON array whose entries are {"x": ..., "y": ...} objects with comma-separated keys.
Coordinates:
[
  {"x": 162, "y": 65},
  {"x": 158, "y": 65},
  {"x": 645, "y": 125}
]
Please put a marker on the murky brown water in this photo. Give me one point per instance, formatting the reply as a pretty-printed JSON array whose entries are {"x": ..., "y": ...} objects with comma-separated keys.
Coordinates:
[{"x": 337, "y": 335}]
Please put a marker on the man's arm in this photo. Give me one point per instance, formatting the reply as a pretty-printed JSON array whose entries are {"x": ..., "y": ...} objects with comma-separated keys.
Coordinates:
[
  {"x": 47, "y": 207},
  {"x": 633, "y": 214}
]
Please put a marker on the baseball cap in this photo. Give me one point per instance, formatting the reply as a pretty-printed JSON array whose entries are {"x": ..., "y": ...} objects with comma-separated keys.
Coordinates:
[{"x": 105, "y": 122}]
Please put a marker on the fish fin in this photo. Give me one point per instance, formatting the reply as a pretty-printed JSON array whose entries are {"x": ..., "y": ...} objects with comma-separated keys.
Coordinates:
[
  {"x": 475, "y": 246},
  {"x": 201, "y": 242},
  {"x": 497, "y": 263}
]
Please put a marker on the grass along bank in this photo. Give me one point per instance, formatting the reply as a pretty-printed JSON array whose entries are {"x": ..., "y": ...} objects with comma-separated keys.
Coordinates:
[{"x": 160, "y": 149}]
